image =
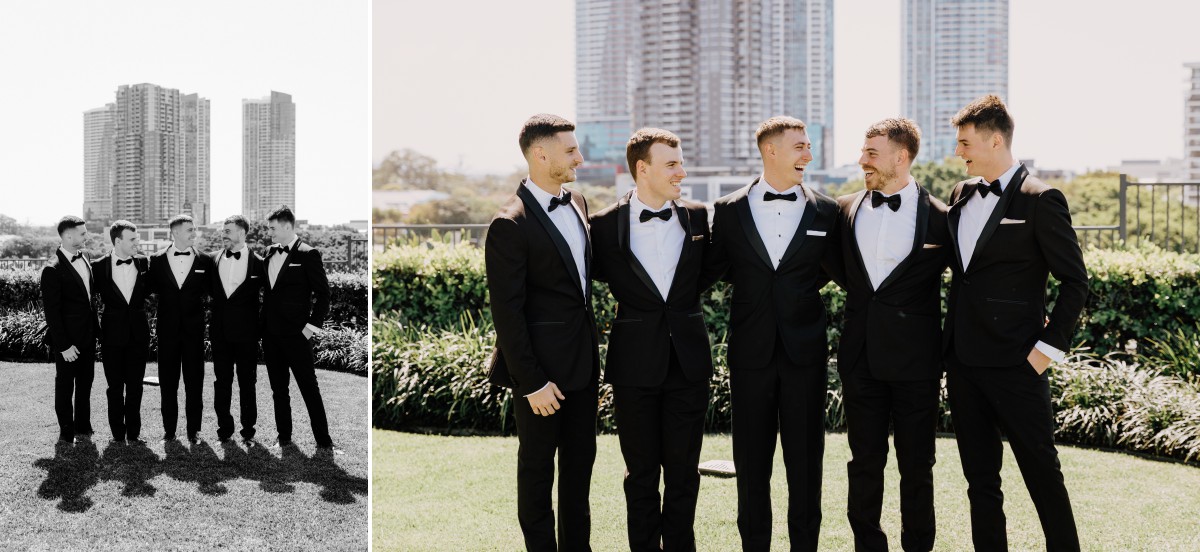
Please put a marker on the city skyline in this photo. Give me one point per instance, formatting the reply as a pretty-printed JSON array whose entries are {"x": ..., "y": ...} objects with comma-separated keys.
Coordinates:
[
  {"x": 1081, "y": 99},
  {"x": 268, "y": 154},
  {"x": 84, "y": 51}
]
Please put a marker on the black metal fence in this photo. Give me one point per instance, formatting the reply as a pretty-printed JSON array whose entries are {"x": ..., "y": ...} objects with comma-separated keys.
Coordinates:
[
  {"x": 1166, "y": 214},
  {"x": 385, "y": 235}
]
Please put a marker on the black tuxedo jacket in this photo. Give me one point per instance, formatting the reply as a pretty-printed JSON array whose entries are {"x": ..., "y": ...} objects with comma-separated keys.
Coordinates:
[
  {"x": 639, "y": 343},
  {"x": 300, "y": 295},
  {"x": 899, "y": 326},
  {"x": 70, "y": 317},
  {"x": 123, "y": 322},
  {"x": 180, "y": 311},
  {"x": 997, "y": 306},
  {"x": 545, "y": 327},
  {"x": 767, "y": 301},
  {"x": 235, "y": 318}
]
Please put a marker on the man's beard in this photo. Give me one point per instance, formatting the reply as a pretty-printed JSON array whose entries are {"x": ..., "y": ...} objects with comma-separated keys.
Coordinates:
[
  {"x": 881, "y": 178},
  {"x": 562, "y": 174}
]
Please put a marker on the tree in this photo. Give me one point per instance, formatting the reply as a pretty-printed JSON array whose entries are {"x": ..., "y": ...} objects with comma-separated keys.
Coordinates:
[{"x": 406, "y": 169}]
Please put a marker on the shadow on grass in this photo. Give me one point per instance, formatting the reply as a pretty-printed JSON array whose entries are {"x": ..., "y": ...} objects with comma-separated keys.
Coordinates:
[{"x": 75, "y": 469}]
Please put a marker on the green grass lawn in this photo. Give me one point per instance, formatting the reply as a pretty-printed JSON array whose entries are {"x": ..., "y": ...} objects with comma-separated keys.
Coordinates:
[
  {"x": 458, "y": 493},
  {"x": 101, "y": 496}
]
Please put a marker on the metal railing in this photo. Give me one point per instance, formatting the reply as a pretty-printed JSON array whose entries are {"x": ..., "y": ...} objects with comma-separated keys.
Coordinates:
[
  {"x": 383, "y": 235},
  {"x": 1165, "y": 222}
]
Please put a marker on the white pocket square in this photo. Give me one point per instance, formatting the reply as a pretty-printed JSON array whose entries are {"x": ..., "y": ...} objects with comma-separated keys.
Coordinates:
[
  {"x": 816, "y": 232},
  {"x": 199, "y": 272},
  {"x": 253, "y": 277},
  {"x": 298, "y": 264},
  {"x": 931, "y": 246},
  {"x": 1011, "y": 221}
]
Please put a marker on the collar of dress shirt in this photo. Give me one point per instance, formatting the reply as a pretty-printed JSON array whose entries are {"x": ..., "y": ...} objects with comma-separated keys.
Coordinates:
[
  {"x": 69, "y": 255},
  {"x": 238, "y": 249},
  {"x": 172, "y": 249},
  {"x": 1007, "y": 176},
  {"x": 909, "y": 191},
  {"x": 540, "y": 195},
  {"x": 116, "y": 258},
  {"x": 636, "y": 205},
  {"x": 289, "y": 245},
  {"x": 767, "y": 187}
]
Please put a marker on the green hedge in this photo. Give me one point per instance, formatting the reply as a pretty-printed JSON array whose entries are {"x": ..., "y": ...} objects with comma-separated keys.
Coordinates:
[
  {"x": 1135, "y": 294},
  {"x": 20, "y": 290},
  {"x": 435, "y": 380},
  {"x": 340, "y": 348}
]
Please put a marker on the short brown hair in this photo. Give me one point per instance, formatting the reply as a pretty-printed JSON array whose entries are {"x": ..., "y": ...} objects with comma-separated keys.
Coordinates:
[
  {"x": 118, "y": 229},
  {"x": 775, "y": 126},
  {"x": 638, "y": 148},
  {"x": 987, "y": 114},
  {"x": 542, "y": 125},
  {"x": 901, "y": 131}
]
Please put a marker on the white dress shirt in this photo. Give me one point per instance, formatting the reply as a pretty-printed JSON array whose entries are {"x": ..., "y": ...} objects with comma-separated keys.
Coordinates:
[
  {"x": 568, "y": 222},
  {"x": 273, "y": 268},
  {"x": 233, "y": 271},
  {"x": 180, "y": 264},
  {"x": 885, "y": 237},
  {"x": 81, "y": 267},
  {"x": 972, "y": 218},
  {"x": 278, "y": 259},
  {"x": 776, "y": 220},
  {"x": 656, "y": 243},
  {"x": 124, "y": 275}
]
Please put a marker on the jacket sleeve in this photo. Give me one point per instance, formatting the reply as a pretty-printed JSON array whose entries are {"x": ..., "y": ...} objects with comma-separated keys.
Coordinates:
[
  {"x": 716, "y": 256},
  {"x": 319, "y": 283},
  {"x": 1060, "y": 247},
  {"x": 506, "y": 259},
  {"x": 52, "y": 307}
]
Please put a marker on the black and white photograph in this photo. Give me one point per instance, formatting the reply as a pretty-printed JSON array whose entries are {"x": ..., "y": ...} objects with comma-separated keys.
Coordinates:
[{"x": 183, "y": 275}]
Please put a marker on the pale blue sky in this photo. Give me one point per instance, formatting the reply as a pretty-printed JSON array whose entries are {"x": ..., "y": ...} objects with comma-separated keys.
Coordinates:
[
  {"x": 1090, "y": 82},
  {"x": 62, "y": 58}
]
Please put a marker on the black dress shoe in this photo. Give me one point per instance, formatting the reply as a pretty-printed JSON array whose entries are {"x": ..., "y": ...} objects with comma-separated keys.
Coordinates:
[
  {"x": 167, "y": 437},
  {"x": 329, "y": 450},
  {"x": 283, "y": 443},
  {"x": 195, "y": 439},
  {"x": 136, "y": 441}
]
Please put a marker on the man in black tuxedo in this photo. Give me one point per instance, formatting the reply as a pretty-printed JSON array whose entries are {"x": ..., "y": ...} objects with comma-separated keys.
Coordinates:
[
  {"x": 649, "y": 247},
  {"x": 537, "y": 253},
  {"x": 71, "y": 329},
  {"x": 123, "y": 281},
  {"x": 180, "y": 276},
  {"x": 295, "y": 303},
  {"x": 895, "y": 248},
  {"x": 233, "y": 327},
  {"x": 775, "y": 241},
  {"x": 1010, "y": 231}
]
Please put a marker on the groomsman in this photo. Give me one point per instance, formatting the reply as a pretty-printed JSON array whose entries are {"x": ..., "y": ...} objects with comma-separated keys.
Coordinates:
[
  {"x": 233, "y": 326},
  {"x": 295, "y": 304},
  {"x": 1010, "y": 231},
  {"x": 894, "y": 244},
  {"x": 775, "y": 241},
  {"x": 538, "y": 257},
  {"x": 71, "y": 329},
  {"x": 122, "y": 280},
  {"x": 649, "y": 247},
  {"x": 180, "y": 277}
]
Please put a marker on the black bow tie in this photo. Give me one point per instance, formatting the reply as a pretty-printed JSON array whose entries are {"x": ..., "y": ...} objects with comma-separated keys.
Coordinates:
[
  {"x": 647, "y": 214},
  {"x": 556, "y": 201},
  {"x": 126, "y": 261},
  {"x": 994, "y": 187},
  {"x": 877, "y": 199},
  {"x": 772, "y": 197},
  {"x": 275, "y": 248},
  {"x": 237, "y": 256},
  {"x": 178, "y": 253},
  {"x": 77, "y": 256}
]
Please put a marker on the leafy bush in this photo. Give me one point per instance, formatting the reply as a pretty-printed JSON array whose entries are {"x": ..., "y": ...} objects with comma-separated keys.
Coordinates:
[{"x": 342, "y": 349}]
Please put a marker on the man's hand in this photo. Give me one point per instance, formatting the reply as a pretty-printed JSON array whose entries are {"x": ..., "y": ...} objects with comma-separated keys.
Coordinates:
[
  {"x": 307, "y": 333},
  {"x": 544, "y": 402},
  {"x": 1038, "y": 360},
  {"x": 70, "y": 355}
]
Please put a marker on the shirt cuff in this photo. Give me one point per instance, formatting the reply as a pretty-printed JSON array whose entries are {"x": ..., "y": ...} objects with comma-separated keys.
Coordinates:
[
  {"x": 315, "y": 330},
  {"x": 539, "y": 390},
  {"x": 1054, "y": 354}
]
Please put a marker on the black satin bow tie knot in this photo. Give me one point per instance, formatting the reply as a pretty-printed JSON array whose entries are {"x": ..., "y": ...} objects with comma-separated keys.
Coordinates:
[
  {"x": 556, "y": 201},
  {"x": 126, "y": 261},
  {"x": 76, "y": 256},
  {"x": 993, "y": 187},
  {"x": 647, "y": 214},
  {"x": 773, "y": 196},
  {"x": 892, "y": 201},
  {"x": 236, "y": 256},
  {"x": 178, "y": 253}
]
